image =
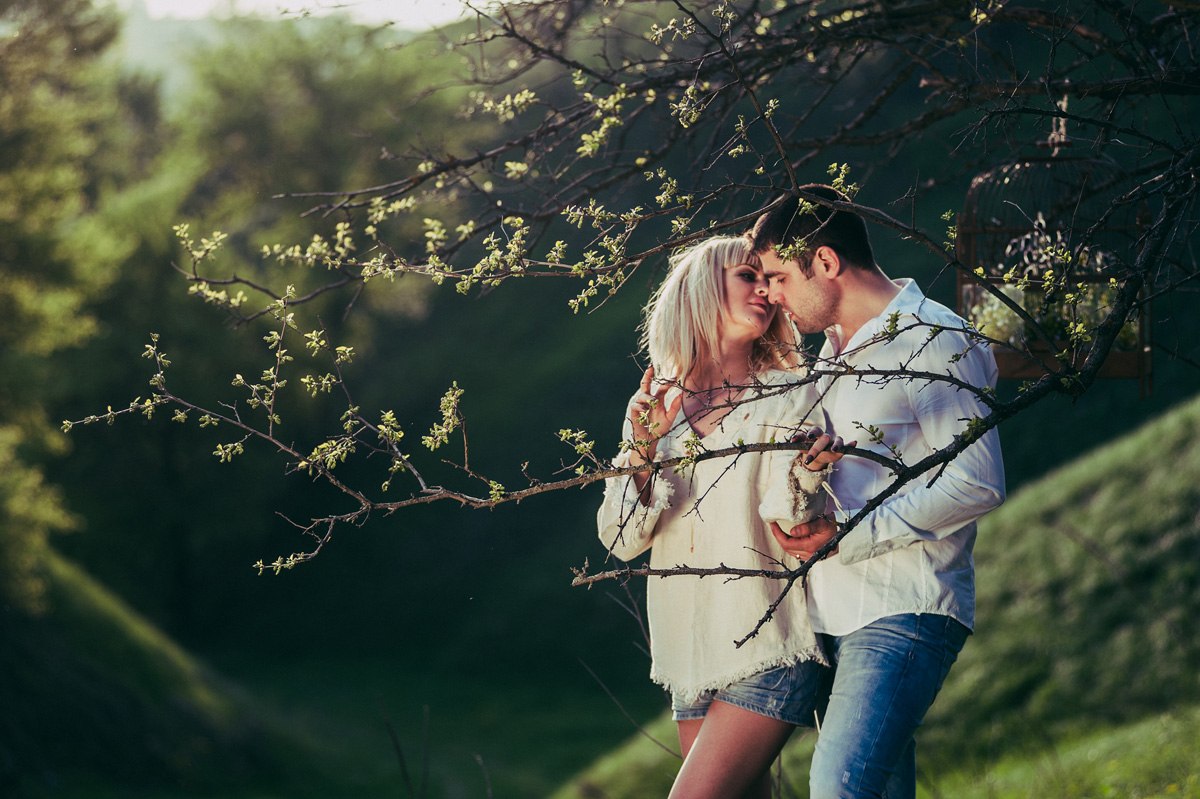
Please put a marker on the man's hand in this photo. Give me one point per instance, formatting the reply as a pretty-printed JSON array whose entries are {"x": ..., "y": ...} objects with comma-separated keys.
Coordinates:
[{"x": 803, "y": 540}]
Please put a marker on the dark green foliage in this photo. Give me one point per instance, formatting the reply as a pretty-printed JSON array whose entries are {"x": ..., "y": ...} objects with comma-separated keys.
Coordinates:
[
  {"x": 275, "y": 106},
  {"x": 47, "y": 142},
  {"x": 94, "y": 694}
]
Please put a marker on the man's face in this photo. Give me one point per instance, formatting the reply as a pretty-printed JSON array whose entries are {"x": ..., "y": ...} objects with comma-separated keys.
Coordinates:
[{"x": 810, "y": 300}]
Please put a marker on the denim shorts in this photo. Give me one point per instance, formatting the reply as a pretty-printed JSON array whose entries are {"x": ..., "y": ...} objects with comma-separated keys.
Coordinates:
[{"x": 791, "y": 694}]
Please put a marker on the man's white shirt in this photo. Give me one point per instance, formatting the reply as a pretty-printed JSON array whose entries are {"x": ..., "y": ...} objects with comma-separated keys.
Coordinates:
[{"x": 912, "y": 554}]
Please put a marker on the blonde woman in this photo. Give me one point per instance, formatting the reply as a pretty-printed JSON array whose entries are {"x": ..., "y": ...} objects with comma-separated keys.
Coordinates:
[{"x": 721, "y": 360}]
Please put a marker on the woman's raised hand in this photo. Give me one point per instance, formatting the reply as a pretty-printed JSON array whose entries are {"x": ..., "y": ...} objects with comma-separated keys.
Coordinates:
[{"x": 652, "y": 413}]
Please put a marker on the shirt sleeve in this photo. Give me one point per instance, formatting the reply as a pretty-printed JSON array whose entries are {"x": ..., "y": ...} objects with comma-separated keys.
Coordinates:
[
  {"x": 969, "y": 486},
  {"x": 627, "y": 526}
]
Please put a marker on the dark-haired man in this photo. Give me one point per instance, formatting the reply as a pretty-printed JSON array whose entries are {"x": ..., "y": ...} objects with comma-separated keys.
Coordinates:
[{"x": 896, "y": 600}]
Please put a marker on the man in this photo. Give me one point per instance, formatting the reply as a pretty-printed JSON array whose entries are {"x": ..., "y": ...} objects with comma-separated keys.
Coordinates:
[{"x": 894, "y": 603}]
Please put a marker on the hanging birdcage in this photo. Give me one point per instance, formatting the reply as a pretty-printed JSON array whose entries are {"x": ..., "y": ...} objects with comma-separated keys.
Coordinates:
[{"x": 1044, "y": 231}]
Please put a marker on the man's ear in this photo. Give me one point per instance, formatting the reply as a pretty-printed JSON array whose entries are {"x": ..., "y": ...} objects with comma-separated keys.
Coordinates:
[{"x": 826, "y": 262}]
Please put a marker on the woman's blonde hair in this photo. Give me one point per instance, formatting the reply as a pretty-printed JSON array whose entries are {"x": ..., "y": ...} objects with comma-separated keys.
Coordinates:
[{"x": 683, "y": 319}]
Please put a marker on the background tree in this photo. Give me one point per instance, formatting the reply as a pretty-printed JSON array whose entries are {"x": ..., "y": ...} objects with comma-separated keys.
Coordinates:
[
  {"x": 50, "y": 256},
  {"x": 274, "y": 104},
  {"x": 89, "y": 687}
]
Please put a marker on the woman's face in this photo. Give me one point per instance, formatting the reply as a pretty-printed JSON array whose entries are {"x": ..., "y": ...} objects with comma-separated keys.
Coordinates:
[{"x": 748, "y": 314}]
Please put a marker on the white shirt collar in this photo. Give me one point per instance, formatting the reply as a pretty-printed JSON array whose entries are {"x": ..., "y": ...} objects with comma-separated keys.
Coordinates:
[{"x": 907, "y": 299}]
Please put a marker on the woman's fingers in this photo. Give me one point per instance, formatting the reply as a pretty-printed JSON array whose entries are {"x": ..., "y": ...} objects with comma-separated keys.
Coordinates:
[
  {"x": 641, "y": 415},
  {"x": 825, "y": 450},
  {"x": 670, "y": 406},
  {"x": 808, "y": 434},
  {"x": 647, "y": 379},
  {"x": 818, "y": 451},
  {"x": 654, "y": 408}
]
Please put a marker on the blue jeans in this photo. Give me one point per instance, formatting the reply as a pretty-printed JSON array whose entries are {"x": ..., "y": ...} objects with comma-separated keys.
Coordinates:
[{"x": 886, "y": 677}]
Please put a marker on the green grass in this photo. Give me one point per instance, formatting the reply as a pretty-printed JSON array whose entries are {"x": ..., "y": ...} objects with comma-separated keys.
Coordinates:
[
  {"x": 639, "y": 767},
  {"x": 1089, "y": 587},
  {"x": 472, "y": 729},
  {"x": 1083, "y": 677},
  {"x": 96, "y": 700},
  {"x": 1155, "y": 757}
]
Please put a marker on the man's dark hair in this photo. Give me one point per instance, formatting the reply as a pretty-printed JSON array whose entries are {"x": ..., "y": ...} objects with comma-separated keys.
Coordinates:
[{"x": 799, "y": 221}]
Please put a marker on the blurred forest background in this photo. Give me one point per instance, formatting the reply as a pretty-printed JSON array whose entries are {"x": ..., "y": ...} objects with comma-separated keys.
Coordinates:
[{"x": 441, "y": 652}]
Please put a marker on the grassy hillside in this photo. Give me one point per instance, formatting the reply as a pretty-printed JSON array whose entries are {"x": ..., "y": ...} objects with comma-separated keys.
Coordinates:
[
  {"x": 1089, "y": 588},
  {"x": 93, "y": 695},
  {"x": 1083, "y": 678}
]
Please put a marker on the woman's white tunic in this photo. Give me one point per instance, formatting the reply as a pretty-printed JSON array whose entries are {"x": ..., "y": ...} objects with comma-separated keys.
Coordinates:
[{"x": 711, "y": 514}]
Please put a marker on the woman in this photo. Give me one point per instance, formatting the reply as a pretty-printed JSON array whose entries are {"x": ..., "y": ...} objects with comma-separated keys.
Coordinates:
[{"x": 721, "y": 361}]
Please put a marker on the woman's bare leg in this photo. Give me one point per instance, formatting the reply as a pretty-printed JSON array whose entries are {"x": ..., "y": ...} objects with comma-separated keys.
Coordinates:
[
  {"x": 730, "y": 755},
  {"x": 688, "y": 730}
]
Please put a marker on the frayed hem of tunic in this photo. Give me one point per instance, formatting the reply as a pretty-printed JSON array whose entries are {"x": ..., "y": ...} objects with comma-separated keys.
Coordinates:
[{"x": 689, "y": 694}]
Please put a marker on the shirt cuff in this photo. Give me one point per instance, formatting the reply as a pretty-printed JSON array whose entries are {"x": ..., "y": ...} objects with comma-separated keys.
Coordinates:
[
  {"x": 861, "y": 542},
  {"x": 857, "y": 545},
  {"x": 626, "y": 525},
  {"x": 624, "y": 492}
]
